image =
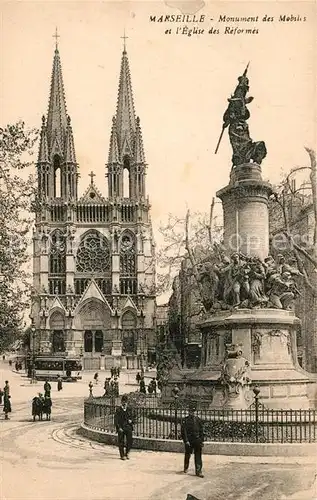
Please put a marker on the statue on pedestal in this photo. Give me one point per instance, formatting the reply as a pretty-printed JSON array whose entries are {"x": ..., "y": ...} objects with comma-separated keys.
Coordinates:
[{"x": 235, "y": 117}]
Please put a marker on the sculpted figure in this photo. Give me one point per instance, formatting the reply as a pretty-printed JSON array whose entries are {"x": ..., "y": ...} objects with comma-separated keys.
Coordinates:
[
  {"x": 209, "y": 281},
  {"x": 283, "y": 291},
  {"x": 235, "y": 117},
  {"x": 257, "y": 275},
  {"x": 236, "y": 284},
  {"x": 235, "y": 372}
]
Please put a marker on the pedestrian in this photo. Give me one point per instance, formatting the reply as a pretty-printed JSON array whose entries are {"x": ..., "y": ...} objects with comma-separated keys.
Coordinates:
[
  {"x": 153, "y": 383},
  {"x": 47, "y": 389},
  {"x": 6, "y": 400},
  {"x": 116, "y": 387},
  {"x": 111, "y": 371},
  {"x": 118, "y": 371},
  {"x": 138, "y": 378},
  {"x": 142, "y": 386},
  {"x": 193, "y": 436},
  {"x": 107, "y": 386},
  {"x": 124, "y": 426},
  {"x": 10, "y": 362},
  {"x": 96, "y": 378},
  {"x": 6, "y": 389},
  {"x": 59, "y": 383}
]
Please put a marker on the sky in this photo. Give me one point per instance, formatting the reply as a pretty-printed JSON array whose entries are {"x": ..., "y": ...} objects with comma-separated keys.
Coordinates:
[{"x": 180, "y": 83}]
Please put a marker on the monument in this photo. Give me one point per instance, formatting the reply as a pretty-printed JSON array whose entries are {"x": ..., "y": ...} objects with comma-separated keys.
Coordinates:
[{"x": 249, "y": 328}]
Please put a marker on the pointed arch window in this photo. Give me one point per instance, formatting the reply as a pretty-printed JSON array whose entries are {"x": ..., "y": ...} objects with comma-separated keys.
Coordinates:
[
  {"x": 57, "y": 177},
  {"x": 93, "y": 255},
  {"x": 57, "y": 254},
  {"x": 128, "y": 267},
  {"x": 128, "y": 323},
  {"x": 126, "y": 177},
  {"x": 127, "y": 255}
]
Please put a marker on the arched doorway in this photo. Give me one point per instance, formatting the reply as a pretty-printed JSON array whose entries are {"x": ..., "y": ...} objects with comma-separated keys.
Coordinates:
[
  {"x": 57, "y": 326},
  {"x": 94, "y": 320},
  {"x": 93, "y": 341},
  {"x": 58, "y": 341},
  {"x": 129, "y": 338}
]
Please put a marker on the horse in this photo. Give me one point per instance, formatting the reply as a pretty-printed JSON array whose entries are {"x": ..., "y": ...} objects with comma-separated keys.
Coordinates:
[{"x": 37, "y": 408}]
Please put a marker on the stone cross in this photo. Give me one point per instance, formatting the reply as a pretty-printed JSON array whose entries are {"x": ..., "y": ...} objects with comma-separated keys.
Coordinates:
[{"x": 92, "y": 175}]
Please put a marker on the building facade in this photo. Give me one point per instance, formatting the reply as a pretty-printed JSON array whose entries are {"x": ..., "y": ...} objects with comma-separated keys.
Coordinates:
[
  {"x": 184, "y": 315},
  {"x": 93, "y": 255}
]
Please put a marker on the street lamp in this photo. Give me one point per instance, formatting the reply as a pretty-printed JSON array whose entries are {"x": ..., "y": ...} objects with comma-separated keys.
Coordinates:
[
  {"x": 142, "y": 345},
  {"x": 175, "y": 394},
  {"x": 33, "y": 346}
]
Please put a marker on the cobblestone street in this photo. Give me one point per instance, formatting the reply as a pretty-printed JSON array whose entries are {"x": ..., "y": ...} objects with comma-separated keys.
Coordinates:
[{"x": 48, "y": 460}]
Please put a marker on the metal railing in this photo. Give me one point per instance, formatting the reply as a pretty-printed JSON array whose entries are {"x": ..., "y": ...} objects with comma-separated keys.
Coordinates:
[{"x": 255, "y": 425}]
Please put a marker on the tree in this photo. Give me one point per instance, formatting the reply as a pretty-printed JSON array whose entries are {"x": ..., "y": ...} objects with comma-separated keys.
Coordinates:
[
  {"x": 17, "y": 189},
  {"x": 187, "y": 242},
  {"x": 191, "y": 236},
  {"x": 287, "y": 204}
]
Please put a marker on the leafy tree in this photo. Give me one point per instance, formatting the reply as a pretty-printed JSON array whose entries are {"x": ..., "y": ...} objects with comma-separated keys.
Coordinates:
[{"x": 17, "y": 189}]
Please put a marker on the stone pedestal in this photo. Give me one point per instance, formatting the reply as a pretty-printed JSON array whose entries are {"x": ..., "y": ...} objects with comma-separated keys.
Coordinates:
[
  {"x": 268, "y": 337},
  {"x": 245, "y": 213}
]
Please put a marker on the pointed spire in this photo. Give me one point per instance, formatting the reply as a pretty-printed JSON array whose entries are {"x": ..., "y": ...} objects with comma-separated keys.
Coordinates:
[
  {"x": 138, "y": 151},
  {"x": 124, "y": 37},
  {"x": 113, "y": 156},
  {"x": 57, "y": 113},
  {"x": 70, "y": 155},
  {"x": 125, "y": 115},
  {"x": 43, "y": 149}
]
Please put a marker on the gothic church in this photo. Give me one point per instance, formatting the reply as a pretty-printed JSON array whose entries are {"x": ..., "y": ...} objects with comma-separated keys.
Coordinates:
[{"x": 93, "y": 256}]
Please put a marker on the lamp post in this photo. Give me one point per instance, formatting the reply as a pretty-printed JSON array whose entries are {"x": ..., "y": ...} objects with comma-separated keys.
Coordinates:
[
  {"x": 142, "y": 345},
  {"x": 33, "y": 346},
  {"x": 256, "y": 392},
  {"x": 175, "y": 393}
]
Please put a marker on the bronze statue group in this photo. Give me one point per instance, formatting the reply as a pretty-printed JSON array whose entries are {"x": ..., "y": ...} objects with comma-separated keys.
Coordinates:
[{"x": 244, "y": 281}]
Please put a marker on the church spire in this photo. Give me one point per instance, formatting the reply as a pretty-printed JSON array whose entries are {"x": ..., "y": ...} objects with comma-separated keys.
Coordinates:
[
  {"x": 57, "y": 112},
  {"x": 126, "y": 161},
  {"x": 125, "y": 115},
  {"x": 57, "y": 166}
]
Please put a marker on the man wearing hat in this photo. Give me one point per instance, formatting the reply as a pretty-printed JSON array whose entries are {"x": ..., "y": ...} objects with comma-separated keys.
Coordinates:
[
  {"x": 193, "y": 437},
  {"x": 124, "y": 426}
]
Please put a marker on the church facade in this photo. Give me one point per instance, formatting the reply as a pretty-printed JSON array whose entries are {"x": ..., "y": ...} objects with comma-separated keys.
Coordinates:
[{"x": 93, "y": 255}]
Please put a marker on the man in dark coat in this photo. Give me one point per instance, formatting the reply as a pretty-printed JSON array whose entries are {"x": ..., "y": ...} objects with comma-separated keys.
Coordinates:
[
  {"x": 47, "y": 389},
  {"x": 193, "y": 437},
  {"x": 124, "y": 426},
  {"x": 6, "y": 400},
  {"x": 142, "y": 385}
]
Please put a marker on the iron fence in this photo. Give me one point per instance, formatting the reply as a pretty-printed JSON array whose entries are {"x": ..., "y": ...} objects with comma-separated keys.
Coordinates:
[{"x": 255, "y": 425}]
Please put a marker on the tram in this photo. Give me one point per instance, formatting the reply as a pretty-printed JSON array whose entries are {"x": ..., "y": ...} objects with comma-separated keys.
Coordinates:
[{"x": 49, "y": 368}]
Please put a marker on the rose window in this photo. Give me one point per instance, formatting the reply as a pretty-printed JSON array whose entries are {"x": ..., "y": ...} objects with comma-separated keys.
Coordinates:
[{"x": 93, "y": 255}]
